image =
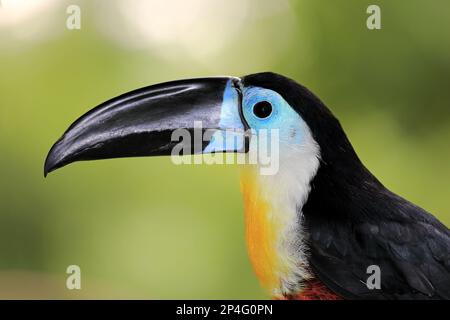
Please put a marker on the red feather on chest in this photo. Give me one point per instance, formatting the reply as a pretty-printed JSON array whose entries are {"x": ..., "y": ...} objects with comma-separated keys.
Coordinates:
[{"x": 314, "y": 290}]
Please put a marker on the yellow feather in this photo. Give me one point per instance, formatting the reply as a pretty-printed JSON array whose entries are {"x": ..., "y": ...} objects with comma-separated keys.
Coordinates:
[{"x": 261, "y": 231}]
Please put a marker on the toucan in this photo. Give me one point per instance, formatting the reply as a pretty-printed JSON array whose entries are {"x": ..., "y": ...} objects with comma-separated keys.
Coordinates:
[{"x": 315, "y": 229}]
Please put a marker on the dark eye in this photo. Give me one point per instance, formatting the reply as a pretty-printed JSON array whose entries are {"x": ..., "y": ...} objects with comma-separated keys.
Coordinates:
[{"x": 262, "y": 109}]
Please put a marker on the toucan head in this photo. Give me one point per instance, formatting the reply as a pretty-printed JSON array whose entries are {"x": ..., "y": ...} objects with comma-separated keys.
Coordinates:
[{"x": 142, "y": 122}]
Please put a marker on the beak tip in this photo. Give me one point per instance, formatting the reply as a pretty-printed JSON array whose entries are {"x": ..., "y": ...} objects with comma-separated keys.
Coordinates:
[
  {"x": 52, "y": 161},
  {"x": 47, "y": 170},
  {"x": 48, "y": 166}
]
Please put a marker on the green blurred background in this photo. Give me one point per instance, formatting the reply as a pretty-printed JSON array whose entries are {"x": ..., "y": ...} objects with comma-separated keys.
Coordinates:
[{"x": 145, "y": 228}]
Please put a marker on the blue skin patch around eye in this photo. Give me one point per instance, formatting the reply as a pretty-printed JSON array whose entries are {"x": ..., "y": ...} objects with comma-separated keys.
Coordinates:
[
  {"x": 283, "y": 117},
  {"x": 222, "y": 141}
]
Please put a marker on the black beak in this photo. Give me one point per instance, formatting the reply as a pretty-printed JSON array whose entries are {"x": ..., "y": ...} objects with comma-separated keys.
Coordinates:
[{"x": 141, "y": 122}]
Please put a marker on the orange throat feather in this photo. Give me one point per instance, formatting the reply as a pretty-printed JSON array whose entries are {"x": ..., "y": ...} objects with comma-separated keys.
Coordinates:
[
  {"x": 273, "y": 235},
  {"x": 282, "y": 272},
  {"x": 260, "y": 232},
  {"x": 276, "y": 240}
]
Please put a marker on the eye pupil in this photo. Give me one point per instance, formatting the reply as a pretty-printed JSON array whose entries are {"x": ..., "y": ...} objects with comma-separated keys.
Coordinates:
[{"x": 262, "y": 109}]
